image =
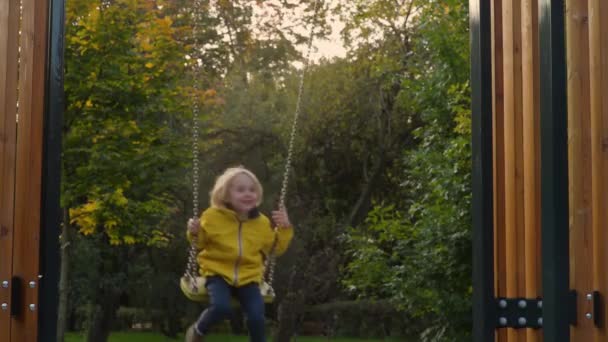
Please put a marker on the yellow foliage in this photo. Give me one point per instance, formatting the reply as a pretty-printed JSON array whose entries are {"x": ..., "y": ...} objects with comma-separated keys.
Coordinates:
[
  {"x": 119, "y": 198},
  {"x": 111, "y": 223},
  {"x": 114, "y": 240},
  {"x": 84, "y": 217}
]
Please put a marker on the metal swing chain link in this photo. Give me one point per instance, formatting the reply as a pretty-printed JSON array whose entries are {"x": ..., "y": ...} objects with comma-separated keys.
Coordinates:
[
  {"x": 192, "y": 268},
  {"x": 271, "y": 260}
]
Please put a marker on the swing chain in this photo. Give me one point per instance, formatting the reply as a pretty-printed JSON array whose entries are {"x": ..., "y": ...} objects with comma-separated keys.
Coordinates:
[
  {"x": 294, "y": 125},
  {"x": 192, "y": 269},
  {"x": 271, "y": 260},
  {"x": 195, "y": 115}
]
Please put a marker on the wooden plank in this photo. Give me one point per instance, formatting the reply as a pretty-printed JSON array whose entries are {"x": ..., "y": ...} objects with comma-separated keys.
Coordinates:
[
  {"x": 596, "y": 141},
  {"x": 577, "y": 35},
  {"x": 598, "y": 65},
  {"x": 602, "y": 234},
  {"x": 498, "y": 144},
  {"x": 531, "y": 155},
  {"x": 29, "y": 162},
  {"x": 537, "y": 163},
  {"x": 9, "y": 28},
  {"x": 510, "y": 64},
  {"x": 519, "y": 157}
]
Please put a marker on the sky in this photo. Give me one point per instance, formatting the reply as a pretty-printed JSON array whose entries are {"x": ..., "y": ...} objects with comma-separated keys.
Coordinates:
[
  {"x": 328, "y": 48},
  {"x": 332, "y": 47}
]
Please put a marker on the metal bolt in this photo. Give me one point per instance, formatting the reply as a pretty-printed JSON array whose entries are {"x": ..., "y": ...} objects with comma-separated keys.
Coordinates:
[
  {"x": 32, "y": 307},
  {"x": 502, "y": 303},
  {"x": 502, "y": 321},
  {"x": 32, "y": 284},
  {"x": 5, "y": 284},
  {"x": 4, "y": 306},
  {"x": 539, "y": 304},
  {"x": 522, "y": 304},
  {"x": 522, "y": 321},
  {"x": 540, "y": 321},
  {"x": 589, "y": 296}
]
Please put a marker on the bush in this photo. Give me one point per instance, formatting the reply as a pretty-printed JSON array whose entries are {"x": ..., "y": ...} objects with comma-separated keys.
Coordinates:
[
  {"x": 363, "y": 318},
  {"x": 128, "y": 318}
]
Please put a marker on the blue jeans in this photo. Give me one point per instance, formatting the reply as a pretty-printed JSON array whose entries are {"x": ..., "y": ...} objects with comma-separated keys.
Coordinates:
[{"x": 220, "y": 295}]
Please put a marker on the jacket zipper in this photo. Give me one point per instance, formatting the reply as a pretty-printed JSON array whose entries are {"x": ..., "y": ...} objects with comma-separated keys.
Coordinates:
[{"x": 238, "y": 259}]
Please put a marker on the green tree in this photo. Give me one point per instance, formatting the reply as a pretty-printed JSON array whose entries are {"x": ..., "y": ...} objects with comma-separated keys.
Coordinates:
[
  {"x": 124, "y": 151},
  {"x": 418, "y": 249}
]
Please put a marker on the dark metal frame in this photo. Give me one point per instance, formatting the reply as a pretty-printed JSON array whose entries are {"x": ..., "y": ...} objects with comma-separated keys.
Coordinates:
[
  {"x": 554, "y": 171},
  {"x": 557, "y": 317},
  {"x": 51, "y": 211},
  {"x": 484, "y": 309}
]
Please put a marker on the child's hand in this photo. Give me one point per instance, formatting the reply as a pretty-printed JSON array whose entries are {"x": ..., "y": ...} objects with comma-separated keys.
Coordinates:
[
  {"x": 280, "y": 218},
  {"x": 193, "y": 225}
]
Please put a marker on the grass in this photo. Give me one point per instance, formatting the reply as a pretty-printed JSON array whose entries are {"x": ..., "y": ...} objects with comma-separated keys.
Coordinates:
[{"x": 155, "y": 337}]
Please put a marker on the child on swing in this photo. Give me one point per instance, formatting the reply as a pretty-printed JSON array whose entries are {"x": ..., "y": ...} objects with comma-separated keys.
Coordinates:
[{"x": 233, "y": 237}]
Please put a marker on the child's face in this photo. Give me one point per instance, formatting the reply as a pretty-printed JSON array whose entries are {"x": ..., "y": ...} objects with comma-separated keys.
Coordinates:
[{"x": 242, "y": 194}]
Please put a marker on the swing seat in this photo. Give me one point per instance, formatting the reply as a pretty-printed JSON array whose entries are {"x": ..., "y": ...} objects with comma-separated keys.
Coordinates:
[{"x": 195, "y": 290}]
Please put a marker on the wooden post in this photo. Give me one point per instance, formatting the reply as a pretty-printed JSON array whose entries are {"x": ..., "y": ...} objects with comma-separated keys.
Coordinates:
[
  {"x": 531, "y": 154},
  {"x": 498, "y": 134},
  {"x": 602, "y": 234},
  {"x": 512, "y": 153},
  {"x": 598, "y": 59},
  {"x": 28, "y": 184},
  {"x": 577, "y": 41},
  {"x": 9, "y": 31}
]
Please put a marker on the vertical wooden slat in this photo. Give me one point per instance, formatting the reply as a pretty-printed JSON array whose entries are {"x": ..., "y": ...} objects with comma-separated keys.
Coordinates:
[
  {"x": 531, "y": 202},
  {"x": 512, "y": 112},
  {"x": 595, "y": 80},
  {"x": 598, "y": 65},
  {"x": 509, "y": 151},
  {"x": 537, "y": 160},
  {"x": 9, "y": 28},
  {"x": 29, "y": 161},
  {"x": 519, "y": 157},
  {"x": 579, "y": 166},
  {"x": 498, "y": 158},
  {"x": 602, "y": 237}
]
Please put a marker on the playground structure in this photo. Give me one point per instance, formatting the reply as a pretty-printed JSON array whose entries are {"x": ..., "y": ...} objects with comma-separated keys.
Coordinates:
[
  {"x": 31, "y": 104},
  {"x": 540, "y": 126},
  {"x": 540, "y": 132}
]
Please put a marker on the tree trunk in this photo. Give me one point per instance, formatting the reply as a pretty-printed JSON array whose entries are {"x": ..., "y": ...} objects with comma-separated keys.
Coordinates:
[
  {"x": 290, "y": 309},
  {"x": 102, "y": 317},
  {"x": 62, "y": 310},
  {"x": 362, "y": 206},
  {"x": 287, "y": 319}
]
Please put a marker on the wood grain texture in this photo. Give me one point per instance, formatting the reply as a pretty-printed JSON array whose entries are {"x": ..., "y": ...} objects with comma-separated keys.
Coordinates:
[
  {"x": 28, "y": 181},
  {"x": 9, "y": 32},
  {"x": 579, "y": 137}
]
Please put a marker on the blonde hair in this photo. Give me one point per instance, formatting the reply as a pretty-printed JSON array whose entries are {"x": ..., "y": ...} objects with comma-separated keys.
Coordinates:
[{"x": 219, "y": 194}]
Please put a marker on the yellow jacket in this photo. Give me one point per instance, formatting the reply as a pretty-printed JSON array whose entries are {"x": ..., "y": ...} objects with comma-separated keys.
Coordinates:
[{"x": 234, "y": 249}]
